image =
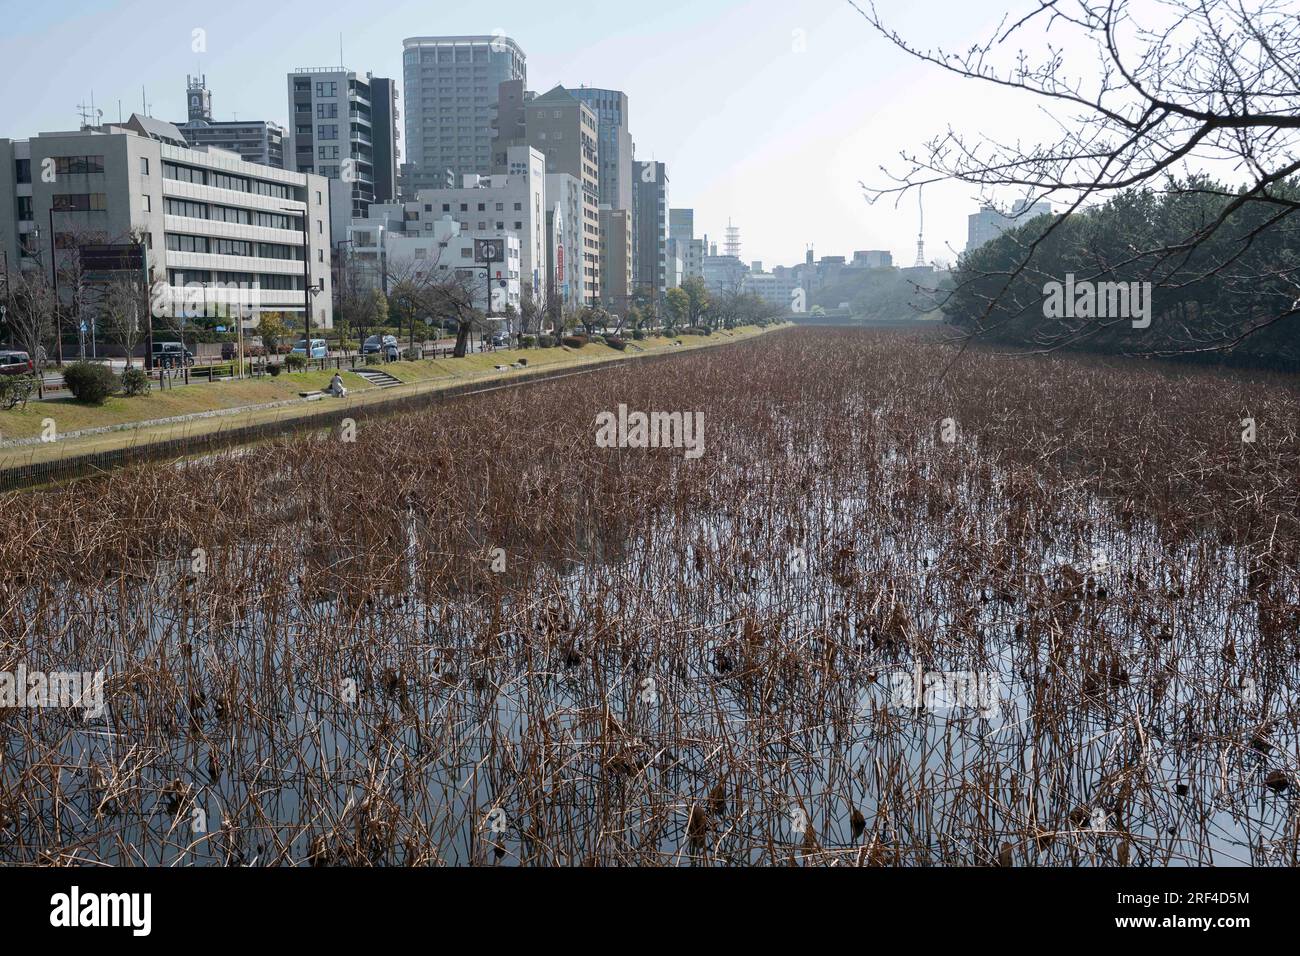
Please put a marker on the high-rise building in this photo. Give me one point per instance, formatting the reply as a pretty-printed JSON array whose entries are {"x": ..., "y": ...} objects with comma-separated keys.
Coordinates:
[
  {"x": 683, "y": 245},
  {"x": 384, "y": 115},
  {"x": 989, "y": 222},
  {"x": 333, "y": 128},
  {"x": 451, "y": 86},
  {"x": 256, "y": 141},
  {"x": 650, "y": 185},
  {"x": 212, "y": 224},
  {"x": 564, "y": 129},
  {"x": 616, "y": 258},
  {"x": 615, "y": 144}
]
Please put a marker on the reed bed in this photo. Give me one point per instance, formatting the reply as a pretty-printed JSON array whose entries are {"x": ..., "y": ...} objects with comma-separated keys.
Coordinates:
[{"x": 474, "y": 637}]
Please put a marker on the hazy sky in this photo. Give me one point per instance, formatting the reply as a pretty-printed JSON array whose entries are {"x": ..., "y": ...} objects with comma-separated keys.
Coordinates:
[{"x": 768, "y": 111}]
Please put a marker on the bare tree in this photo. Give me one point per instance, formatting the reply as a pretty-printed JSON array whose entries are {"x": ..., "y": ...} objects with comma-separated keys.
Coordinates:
[
  {"x": 1170, "y": 90},
  {"x": 31, "y": 314},
  {"x": 123, "y": 310}
]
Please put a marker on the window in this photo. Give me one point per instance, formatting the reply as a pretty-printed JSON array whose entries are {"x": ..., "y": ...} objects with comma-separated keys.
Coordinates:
[
  {"x": 23, "y": 170},
  {"x": 226, "y": 181},
  {"x": 327, "y": 152},
  {"x": 190, "y": 210},
  {"x": 327, "y": 131},
  {"x": 25, "y": 208},
  {"x": 184, "y": 174},
  {"x": 77, "y": 165},
  {"x": 501, "y": 206},
  {"x": 146, "y": 203},
  {"x": 482, "y": 207},
  {"x": 327, "y": 110},
  {"x": 80, "y": 202},
  {"x": 144, "y": 165},
  {"x": 326, "y": 88}
]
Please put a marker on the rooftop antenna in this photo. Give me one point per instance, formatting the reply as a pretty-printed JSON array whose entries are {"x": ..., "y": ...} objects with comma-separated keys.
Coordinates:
[
  {"x": 341, "y": 66},
  {"x": 920, "y": 236}
]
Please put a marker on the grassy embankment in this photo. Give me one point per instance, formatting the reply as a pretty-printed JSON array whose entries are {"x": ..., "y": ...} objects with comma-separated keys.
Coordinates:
[{"x": 70, "y": 416}]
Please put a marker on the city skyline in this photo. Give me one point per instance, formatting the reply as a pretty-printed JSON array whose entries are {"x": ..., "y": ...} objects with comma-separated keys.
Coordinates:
[{"x": 696, "y": 105}]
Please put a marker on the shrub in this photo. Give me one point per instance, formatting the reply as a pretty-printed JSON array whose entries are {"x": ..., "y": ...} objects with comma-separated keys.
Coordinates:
[
  {"x": 16, "y": 389},
  {"x": 638, "y": 334},
  {"x": 295, "y": 362},
  {"x": 135, "y": 382},
  {"x": 615, "y": 342},
  {"x": 528, "y": 341},
  {"x": 696, "y": 330},
  {"x": 574, "y": 341},
  {"x": 274, "y": 369},
  {"x": 412, "y": 355},
  {"x": 598, "y": 339},
  {"x": 90, "y": 382},
  {"x": 546, "y": 341},
  {"x": 372, "y": 360}
]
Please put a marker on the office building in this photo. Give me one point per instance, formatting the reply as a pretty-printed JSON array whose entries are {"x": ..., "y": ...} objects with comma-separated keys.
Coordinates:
[
  {"x": 389, "y": 246},
  {"x": 616, "y": 258},
  {"x": 615, "y": 147},
  {"x": 513, "y": 203},
  {"x": 564, "y": 227},
  {"x": 209, "y": 221},
  {"x": 564, "y": 129},
  {"x": 650, "y": 186}
]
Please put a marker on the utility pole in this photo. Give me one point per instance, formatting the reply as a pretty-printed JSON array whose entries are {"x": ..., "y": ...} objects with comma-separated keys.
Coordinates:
[{"x": 54, "y": 273}]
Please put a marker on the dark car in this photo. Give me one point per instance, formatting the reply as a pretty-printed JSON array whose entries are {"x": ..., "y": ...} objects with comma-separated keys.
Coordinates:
[
  {"x": 171, "y": 355},
  {"x": 16, "y": 363}
]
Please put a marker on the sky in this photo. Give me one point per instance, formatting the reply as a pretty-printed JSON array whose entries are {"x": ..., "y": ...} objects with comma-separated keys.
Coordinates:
[{"x": 768, "y": 113}]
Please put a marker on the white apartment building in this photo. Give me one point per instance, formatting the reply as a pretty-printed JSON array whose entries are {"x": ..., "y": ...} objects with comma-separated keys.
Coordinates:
[
  {"x": 494, "y": 205},
  {"x": 383, "y": 252},
  {"x": 206, "y": 217}
]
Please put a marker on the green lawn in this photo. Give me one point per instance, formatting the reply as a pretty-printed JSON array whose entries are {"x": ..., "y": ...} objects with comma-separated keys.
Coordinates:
[
  {"x": 417, "y": 377},
  {"x": 70, "y": 415}
]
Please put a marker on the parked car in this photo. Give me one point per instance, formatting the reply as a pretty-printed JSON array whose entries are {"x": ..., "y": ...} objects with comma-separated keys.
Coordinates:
[
  {"x": 378, "y": 344},
  {"x": 170, "y": 355},
  {"x": 499, "y": 340},
  {"x": 230, "y": 350},
  {"x": 319, "y": 349},
  {"x": 16, "y": 363}
]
